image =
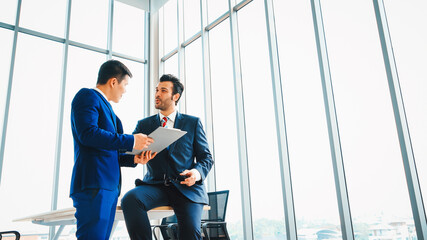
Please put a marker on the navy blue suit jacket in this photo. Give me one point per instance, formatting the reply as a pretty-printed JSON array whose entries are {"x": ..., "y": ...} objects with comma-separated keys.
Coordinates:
[
  {"x": 98, "y": 141},
  {"x": 188, "y": 152}
]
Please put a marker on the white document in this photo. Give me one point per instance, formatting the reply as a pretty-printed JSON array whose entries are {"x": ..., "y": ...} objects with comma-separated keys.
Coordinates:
[{"x": 163, "y": 137}]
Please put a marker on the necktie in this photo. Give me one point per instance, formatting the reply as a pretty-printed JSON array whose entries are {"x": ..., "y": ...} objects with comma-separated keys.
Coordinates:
[{"x": 164, "y": 121}]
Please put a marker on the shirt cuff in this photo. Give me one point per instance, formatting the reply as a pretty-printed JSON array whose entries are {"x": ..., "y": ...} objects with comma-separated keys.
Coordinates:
[
  {"x": 133, "y": 142},
  {"x": 197, "y": 174}
]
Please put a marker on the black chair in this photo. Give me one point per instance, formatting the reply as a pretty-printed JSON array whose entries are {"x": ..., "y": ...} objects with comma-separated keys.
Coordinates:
[
  {"x": 168, "y": 228},
  {"x": 214, "y": 226},
  {"x": 17, "y": 235}
]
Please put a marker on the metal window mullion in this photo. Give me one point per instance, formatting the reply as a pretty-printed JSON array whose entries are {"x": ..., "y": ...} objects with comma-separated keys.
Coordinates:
[
  {"x": 285, "y": 169},
  {"x": 181, "y": 53},
  {"x": 217, "y": 21},
  {"x": 402, "y": 127},
  {"x": 87, "y": 47},
  {"x": 147, "y": 83},
  {"x": 7, "y": 26},
  {"x": 125, "y": 56},
  {"x": 207, "y": 92},
  {"x": 58, "y": 149},
  {"x": 110, "y": 29},
  {"x": 332, "y": 122},
  {"x": 9, "y": 87},
  {"x": 147, "y": 55},
  {"x": 241, "y": 127}
]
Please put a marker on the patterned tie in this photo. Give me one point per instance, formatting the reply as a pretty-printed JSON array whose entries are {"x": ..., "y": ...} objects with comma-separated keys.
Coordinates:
[{"x": 164, "y": 121}]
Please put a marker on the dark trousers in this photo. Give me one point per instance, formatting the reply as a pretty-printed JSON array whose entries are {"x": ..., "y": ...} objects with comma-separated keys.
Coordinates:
[
  {"x": 95, "y": 212},
  {"x": 139, "y": 200}
]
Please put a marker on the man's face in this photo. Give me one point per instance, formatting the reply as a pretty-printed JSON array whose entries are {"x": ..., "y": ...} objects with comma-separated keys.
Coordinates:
[
  {"x": 119, "y": 89},
  {"x": 164, "y": 98}
]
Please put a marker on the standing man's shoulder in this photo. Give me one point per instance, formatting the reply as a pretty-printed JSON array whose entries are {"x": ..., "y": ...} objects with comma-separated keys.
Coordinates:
[
  {"x": 84, "y": 93},
  {"x": 189, "y": 118}
]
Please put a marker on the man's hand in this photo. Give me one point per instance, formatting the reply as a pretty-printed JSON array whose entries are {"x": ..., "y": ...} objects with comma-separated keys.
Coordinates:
[
  {"x": 191, "y": 178},
  {"x": 144, "y": 157},
  {"x": 142, "y": 141}
]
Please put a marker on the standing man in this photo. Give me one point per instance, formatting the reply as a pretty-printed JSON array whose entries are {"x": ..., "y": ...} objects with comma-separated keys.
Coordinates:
[
  {"x": 98, "y": 141},
  {"x": 175, "y": 176}
]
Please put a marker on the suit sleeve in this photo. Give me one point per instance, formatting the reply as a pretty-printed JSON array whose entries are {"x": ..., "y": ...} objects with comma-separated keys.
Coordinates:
[
  {"x": 86, "y": 113},
  {"x": 204, "y": 159},
  {"x": 125, "y": 160}
]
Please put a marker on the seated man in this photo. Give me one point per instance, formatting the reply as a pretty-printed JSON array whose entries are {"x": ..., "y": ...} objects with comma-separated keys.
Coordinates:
[{"x": 173, "y": 177}]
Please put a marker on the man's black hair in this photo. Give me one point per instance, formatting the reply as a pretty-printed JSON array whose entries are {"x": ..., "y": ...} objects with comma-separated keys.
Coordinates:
[
  {"x": 178, "y": 87},
  {"x": 111, "y": 69}
]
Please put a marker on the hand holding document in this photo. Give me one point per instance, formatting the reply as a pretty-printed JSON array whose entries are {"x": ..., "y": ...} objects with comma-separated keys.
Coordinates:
[
  {"x": 162, "y": 137},
  {"x": 142, "y": 141}
]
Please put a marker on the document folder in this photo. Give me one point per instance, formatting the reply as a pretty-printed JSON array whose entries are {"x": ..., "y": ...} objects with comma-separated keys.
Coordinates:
[{"x": 163, "y": 137}]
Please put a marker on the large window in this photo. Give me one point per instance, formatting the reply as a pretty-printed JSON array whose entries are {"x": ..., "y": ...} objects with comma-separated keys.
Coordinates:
[
  {"x": 373, "y": 163},
  {"x": 171, "y": 65},
  {"x": 408, "y": 33},
  {"x": 194, "y": 80},
  {"x": 51, "y": 21},
  {"x": 216, "y": 8},
  {"x": 312, "y": 174},
  {"x": 266, "y": 196},
  {"x": 129, "y": 28},
  {"x": 8, "y": 11},
  {"x": 89, "y": 22},
  {"x": 43, "y": 65},
  {"x": 27, "y": 175},
  {"x": 169, "y": 26},
  {"x": 5, "y": 50},
  {"x": 224, "y": 125},
  {"x": 191, "y": 18}
]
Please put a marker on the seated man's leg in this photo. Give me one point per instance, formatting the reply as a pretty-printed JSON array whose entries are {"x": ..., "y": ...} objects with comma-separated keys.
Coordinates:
[
  {"x": 189, "y": 216},
  {"x": 95, "y": 211},
  {"x": 135, "y": 205}
]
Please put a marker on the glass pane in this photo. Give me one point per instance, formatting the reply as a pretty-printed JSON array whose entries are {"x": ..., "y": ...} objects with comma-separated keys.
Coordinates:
[
  {"x": 224, "y": 122},
  {"x": 27, "y": 178},
  {"x": 267, "y": 202},
  {"x": 171, "y": 65},
  {"x": 129, "y": 28},
  {"x": 130, "y": 110},
  {"x": 192, "y": 20},
  {"x": 194, "y": 80},
  {"x": 89, "y": 22},
  {"x": 8, "y": 11},
  {"x": 170, "y": 26},
  {"x": 375, "y": 178},
  {"x": 216, "y": 8},
  {"x": 5, "y": 55},
  {"x": 312, "y": 172},
  {"x": 80, "y": 74},
  {"x": 409, "y": 35},
  {"x": 52, "y": 21}
]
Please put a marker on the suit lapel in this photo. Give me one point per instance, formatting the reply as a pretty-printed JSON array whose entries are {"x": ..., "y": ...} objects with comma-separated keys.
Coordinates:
[
  {"x": 178, "y": 125},
  {"x": 113, "y": 116}
]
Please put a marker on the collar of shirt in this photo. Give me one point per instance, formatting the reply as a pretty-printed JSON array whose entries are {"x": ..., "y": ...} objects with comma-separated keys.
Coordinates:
[
  {"x": 99, "y": 90},
  {"x": 171, "y": 119}
]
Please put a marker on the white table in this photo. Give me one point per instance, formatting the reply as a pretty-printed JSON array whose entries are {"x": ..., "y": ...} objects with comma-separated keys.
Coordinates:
[{"x": 63, "y": 217}]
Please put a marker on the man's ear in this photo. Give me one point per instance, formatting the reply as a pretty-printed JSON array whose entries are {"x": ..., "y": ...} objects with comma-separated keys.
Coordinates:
[
  {"x": 176, "y": 97},
  {"x": 113, "y": 81}
]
